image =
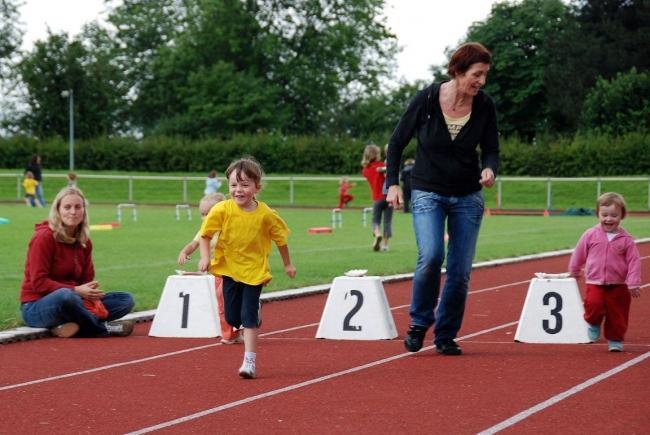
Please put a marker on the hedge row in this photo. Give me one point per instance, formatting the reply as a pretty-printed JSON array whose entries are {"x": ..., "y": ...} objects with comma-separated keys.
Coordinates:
[{"x": 583, "y": 155}]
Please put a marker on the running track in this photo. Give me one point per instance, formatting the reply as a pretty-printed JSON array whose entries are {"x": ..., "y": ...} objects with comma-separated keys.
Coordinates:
[{"x": 141, "y": 384}]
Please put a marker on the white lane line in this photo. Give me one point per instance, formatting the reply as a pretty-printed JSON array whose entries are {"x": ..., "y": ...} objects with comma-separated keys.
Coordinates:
[
  {"x": 165, "y": 355},
  {"x": 137, "y": 361},
  {"x": 557, "y": 398},
  {"x": 293, "y": 387}
]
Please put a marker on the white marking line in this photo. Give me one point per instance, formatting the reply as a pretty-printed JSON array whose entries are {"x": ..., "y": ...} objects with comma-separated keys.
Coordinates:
[
  {"x": 293, "y": 387},
  {"x": 137, "y": 361},
  {"x": 568, "y": 393}
]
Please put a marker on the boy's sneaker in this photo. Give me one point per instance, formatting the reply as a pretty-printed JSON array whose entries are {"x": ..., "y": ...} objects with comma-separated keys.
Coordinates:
[
  {"x": 448, "y": 347},
  {"x": 247, "y": 369},
  {"x": 377, "y": 243},
  {"x": 121, "y": 328},
  {"x": 65, "y": 330},
  {"x": 239, "y": 338},
  {"x": 615, "y": 346},
  {"x": 593, "y": 332},
  {"x": 414, "y": 338}
]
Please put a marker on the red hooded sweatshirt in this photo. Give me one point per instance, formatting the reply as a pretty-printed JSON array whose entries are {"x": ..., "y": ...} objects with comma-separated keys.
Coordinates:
[{"x": 52, "y": 265}]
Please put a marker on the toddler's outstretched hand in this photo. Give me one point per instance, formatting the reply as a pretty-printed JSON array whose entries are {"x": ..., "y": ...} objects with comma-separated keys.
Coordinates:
[
  {"x": 204, "y": 264},
  {"x": 182, "y": 258}
]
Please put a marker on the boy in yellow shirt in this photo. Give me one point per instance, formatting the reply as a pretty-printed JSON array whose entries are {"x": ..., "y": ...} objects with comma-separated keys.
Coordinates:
[
  {"x": 30, "y": 183},
  {"x": 246, "y": 229}
]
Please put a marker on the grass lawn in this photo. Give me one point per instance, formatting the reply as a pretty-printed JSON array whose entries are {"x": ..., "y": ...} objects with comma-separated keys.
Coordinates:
[{"x": 139, "y": 255}]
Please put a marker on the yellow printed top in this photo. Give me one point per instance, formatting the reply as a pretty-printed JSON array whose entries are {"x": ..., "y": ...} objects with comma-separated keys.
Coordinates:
[
  {"x": 244, "y": 244},
  {"x": 30, "y": 186}
]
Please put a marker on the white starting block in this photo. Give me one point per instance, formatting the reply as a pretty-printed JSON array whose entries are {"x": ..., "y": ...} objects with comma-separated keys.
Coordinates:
[
  {"x": 134, "y": 211},
  {"x": 337, "y": 218},
  {"x": 187, "y": 308},
  {"x": 186, "y": 207},
  {"x": 357, "y": 309},
  {"x": 553, "y": 313}
]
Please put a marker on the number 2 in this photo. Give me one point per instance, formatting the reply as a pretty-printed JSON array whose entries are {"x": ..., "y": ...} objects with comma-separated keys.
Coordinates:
[{"x": 353, "y": 311}]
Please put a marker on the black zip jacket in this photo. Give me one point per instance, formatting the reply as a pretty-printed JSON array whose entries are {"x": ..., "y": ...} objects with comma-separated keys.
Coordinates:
[{"x": 443, "y": 166}]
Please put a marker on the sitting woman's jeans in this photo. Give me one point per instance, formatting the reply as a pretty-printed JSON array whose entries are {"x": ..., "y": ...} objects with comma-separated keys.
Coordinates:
[
  {"x": 64, "y": 305},
  {"x": 463, "y": 216}
]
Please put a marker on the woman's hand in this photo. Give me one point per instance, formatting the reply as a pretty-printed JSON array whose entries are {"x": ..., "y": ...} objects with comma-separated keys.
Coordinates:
[
  {"x": 395, "y": 197},
  {"x": 487, "y": 177},
  {"x": 90, "y": 291}
]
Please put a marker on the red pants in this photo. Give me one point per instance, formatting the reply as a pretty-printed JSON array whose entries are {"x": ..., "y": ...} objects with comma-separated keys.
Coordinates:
[
  {"x": 227, "y": 331},
  {"x": 611, "y": 302},
  {"x": 344, "y": 199}
]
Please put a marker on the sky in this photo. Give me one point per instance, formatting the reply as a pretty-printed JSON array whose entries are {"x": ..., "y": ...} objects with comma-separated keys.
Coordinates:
[{"x": 424, "y": 28}]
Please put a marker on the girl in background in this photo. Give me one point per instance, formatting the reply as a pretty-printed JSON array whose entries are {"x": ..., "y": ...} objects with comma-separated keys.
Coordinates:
[{"x": 374, "y": 170}]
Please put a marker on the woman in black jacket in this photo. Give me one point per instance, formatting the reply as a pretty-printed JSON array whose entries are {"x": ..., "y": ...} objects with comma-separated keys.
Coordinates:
[{"x": 450, "y": 120}]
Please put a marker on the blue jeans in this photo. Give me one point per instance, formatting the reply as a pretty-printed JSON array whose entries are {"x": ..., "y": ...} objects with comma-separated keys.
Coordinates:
[
  {"x": 463, "y": 215},
  {"x": 39, "y": 194},
  {"x": 64, "y": 305}
]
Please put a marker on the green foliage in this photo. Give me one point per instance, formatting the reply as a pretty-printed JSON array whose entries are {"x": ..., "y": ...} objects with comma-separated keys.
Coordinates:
[
  {"x": 10, "y": 35},
  {"x": 619, "y": 105},
  {"x": 587, "y": 154}
]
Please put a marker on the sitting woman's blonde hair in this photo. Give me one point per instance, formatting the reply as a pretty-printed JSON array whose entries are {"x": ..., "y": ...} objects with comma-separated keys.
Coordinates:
[{"x": 81, "y": 233}]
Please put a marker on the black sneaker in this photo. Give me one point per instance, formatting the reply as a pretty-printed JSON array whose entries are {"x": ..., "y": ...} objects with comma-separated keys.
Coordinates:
[
  {"x": 414, "y": 338},
  {"x": 448, "y": 347}
]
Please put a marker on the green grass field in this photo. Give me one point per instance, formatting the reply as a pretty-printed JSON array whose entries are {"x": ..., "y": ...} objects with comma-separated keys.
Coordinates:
[{"x": 138, "y": 256}]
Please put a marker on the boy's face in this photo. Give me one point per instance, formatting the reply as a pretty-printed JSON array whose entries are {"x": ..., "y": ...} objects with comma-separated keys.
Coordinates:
[
  {"x": 242, "y": 191},
  {"x": 610, "y": 217}
]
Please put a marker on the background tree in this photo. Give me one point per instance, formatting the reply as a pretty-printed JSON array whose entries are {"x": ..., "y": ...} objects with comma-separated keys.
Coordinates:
[
  {"x": 58, "y": 64},
  {"x": 10, "y": 40},
  {"x": 518, "y": 35},
  {"x": 619, "y": 105}
]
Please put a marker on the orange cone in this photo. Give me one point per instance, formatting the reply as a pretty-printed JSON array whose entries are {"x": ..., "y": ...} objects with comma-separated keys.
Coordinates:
[{"x": 546, "y": 213}]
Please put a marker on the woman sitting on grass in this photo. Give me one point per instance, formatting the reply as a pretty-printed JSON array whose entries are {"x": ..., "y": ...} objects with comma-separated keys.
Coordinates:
[{"x": 59, "y": 291}]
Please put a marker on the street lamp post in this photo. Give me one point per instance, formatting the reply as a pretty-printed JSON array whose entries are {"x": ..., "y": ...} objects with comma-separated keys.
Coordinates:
[{"x": 70, "y": 94}]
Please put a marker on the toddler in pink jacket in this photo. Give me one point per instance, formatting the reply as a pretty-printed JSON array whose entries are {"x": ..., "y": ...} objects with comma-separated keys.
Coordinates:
[{"x": 612, "y": 270}]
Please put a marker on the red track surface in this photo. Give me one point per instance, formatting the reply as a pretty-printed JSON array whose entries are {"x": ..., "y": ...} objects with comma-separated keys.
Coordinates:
[{"x": 306, "y": 385}]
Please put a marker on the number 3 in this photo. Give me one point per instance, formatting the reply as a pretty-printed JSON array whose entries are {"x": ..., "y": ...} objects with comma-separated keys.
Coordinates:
[{"x": 555, "y": 312}]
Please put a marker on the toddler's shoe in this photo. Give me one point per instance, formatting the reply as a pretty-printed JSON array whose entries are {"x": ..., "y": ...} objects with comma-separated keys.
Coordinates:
[
  {"x": 593, "y": 332},
  {"x": 65, "y": 330},
  {"x": 247, "y": 370},
  {"x": 239, "y": 338},
  {"x": 615, "y": 346}
]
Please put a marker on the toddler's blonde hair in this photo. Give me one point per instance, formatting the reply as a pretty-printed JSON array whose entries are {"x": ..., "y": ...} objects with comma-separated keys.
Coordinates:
[{"x": 611, "y": 198}]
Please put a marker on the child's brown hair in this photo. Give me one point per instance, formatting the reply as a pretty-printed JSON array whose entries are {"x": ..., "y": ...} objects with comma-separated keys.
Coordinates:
[
  {"x": 249, "y": 166},
  {"x": 371, "y": 153},
  {"x": 612, "y": 198}
]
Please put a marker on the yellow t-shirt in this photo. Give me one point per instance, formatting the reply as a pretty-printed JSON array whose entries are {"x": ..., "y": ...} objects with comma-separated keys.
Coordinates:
[
  {"x": 244, "y": 243},
  {"x": 30, "y": 186}
]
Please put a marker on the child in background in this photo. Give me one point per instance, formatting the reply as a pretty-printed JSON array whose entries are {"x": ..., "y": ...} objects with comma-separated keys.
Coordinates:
[
  {"x": 229, "y": 334},
  {"x": 30, "y": 183},
  {"x": 241, "y": 257},
  {"x": 344, "y": 192},
  {"x": 406, "y": 183},
  {"x": 612, "y": 271},
  {"x": 374, "y": 171},
  {"x": 72, "y": 179},
  {"x": 212, "y": 183}
]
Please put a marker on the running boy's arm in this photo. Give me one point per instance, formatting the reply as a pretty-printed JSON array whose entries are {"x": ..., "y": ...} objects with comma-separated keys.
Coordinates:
[
  {"x": 204, "y": 263},
  {"x": 286, "y": 259}
]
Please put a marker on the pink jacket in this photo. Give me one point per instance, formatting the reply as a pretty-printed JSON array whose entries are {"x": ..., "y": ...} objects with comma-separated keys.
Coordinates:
[{"x": 605, "y": 262}]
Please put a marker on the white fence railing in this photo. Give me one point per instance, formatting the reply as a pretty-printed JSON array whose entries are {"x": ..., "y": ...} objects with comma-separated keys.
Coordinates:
[{"x": 549, "y": 181}]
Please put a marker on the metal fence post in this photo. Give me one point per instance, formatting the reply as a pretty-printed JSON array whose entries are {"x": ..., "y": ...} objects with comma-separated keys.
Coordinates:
[
  {"x": 185, "y": 190},
  {"x": 18, "y": 187},
  {"x": 599, "y": 186},
  {"x": 131, "y": 189},
  {"x": 499, "y": 194},
  {"x": 549, "y": 193},
  {"x": 291, "y": 197}
]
